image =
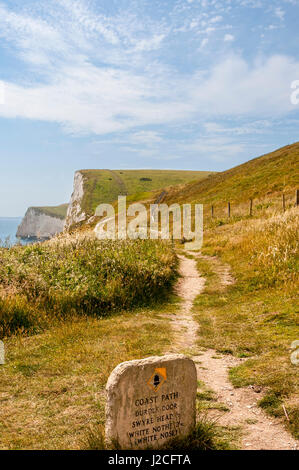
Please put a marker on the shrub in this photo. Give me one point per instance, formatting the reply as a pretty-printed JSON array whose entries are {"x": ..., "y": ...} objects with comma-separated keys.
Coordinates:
[
  {"x": 16, "y": 316},
  {"x": 87, "y": 276}
]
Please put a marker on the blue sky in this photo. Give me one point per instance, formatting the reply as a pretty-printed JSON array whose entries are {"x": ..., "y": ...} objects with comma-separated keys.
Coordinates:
[{"x": 182, "y": 84}]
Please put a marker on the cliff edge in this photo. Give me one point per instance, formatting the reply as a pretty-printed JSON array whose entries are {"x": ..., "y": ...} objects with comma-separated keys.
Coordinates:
[
  {"x": 42, "y": 222},
  {"x": 94, "y": 187},
  {"x": 75, "y": 213}
]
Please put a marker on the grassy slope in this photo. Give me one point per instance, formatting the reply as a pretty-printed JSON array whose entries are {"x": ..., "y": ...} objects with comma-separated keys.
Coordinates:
[
  {"x": 104, "y": 186},
  {"x": 257, "y": 317},
  {"x": 54, "y": 211},
  {"x": 271, "y": 173}
]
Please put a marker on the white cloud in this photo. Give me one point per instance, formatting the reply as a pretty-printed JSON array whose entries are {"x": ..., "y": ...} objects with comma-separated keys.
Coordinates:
[
  {"x": 93, "y": 100},
  {"x": 145, "y": 137},
  {"x": 256, "y": 127},
  {"x": 204, "y": 42},
  {"x": 216, "y": 19},
  {"x": 88, "y": 99},
  {"x": 2, "y": 93},
  {"x": 233, "y": 87},
  {"x": 99, "y": 74},
  {"x": 217, "y": 148},
  {"x": 280, "y": 13},
  {"x": 229, "y": 38},
  {"x": 150, "y": 44}
]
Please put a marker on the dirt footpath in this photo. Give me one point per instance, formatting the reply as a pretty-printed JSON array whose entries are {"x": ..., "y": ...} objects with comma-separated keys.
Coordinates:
[{"x": 259, "y": 431}]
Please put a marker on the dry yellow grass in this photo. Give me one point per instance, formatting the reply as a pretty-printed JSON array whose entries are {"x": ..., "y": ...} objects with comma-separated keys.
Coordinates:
[
  {"x": 52, "y": 386},
  {"x": 258, "y": 316}
]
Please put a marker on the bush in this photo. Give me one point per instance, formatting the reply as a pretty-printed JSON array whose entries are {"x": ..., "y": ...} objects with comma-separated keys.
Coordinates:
[
  {"x": 16, "y": 316},
  {"x": 87, "y": 276}
]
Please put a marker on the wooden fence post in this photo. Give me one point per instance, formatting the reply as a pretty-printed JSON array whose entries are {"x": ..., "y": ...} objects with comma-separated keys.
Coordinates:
[
  {"x": 228, "y": 209},
  {"x": 297, "y": 198},
  {"x": 250, "y": 209},
  {"x": 212, "y": 212},
  {"x": 283, "y": 203}
]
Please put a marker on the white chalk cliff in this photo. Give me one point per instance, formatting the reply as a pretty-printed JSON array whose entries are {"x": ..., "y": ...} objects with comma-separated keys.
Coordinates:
[
  {"x": 75, "y": 214},
  {"x": 46, "y": 222},
  {"x": 37, "y": 224}
]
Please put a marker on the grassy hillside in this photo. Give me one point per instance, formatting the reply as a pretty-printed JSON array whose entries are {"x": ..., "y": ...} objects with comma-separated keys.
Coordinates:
[
  {"x": 104, "y": 186},
  {"x": 256, "y": 318},
  {"x": 53, "y": 211},
  {"x": 275, "y": 172}
]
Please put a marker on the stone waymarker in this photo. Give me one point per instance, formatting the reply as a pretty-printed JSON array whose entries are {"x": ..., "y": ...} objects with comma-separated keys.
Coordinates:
[{"x": 151, "y": 401}]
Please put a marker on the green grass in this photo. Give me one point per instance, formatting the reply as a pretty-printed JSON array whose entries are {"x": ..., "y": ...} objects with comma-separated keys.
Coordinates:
[
  {"x": 271, "y": 173},
  {"x": 207, "y": 400},
  {"x": 53, "y": 211},
  {"x": 104, "y": 186},
  {"x": 207, "y": 435},
  {"x": 79, "y": 275}
]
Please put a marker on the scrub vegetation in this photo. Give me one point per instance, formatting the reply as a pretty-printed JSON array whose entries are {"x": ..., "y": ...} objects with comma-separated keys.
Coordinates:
[{"x": 75, "y": 275}]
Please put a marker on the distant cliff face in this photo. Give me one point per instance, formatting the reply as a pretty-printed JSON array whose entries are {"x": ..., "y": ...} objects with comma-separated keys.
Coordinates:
[
  {"x": 75, "y": 214},
  {"x": 94, "y": 187},
  {"x": 39, "y": 224}
]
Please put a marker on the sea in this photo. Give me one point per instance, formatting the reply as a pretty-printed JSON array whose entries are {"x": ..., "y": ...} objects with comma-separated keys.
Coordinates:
[{"x": 8, "y": 230}]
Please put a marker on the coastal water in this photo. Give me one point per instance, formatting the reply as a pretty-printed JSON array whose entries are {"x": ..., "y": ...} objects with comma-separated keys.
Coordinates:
[{"x": 8, "y": 230}]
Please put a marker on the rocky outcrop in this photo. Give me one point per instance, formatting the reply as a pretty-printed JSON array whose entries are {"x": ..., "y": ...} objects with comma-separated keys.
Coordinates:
[
  {"x": 75, "y": 214},
  {"x": 37, "y": 224}
]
